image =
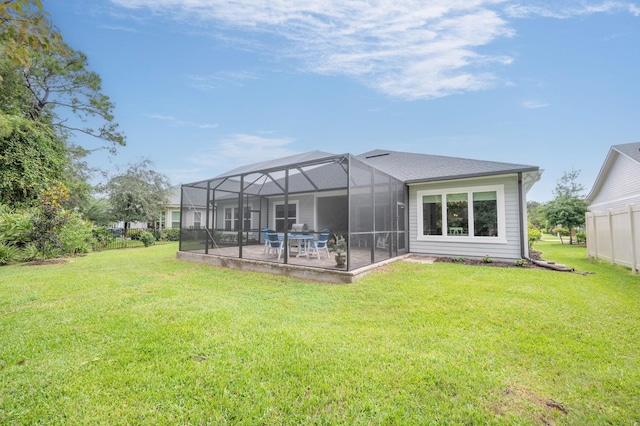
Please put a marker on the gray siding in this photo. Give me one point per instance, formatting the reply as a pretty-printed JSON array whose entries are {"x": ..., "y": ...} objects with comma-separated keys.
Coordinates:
[
  {"x": 621, "y": 186},
  {"x": 508, "y": 251}
]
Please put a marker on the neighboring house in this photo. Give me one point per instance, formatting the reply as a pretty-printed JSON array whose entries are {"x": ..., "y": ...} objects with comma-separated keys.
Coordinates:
[
  {"x": 388, "y": 202},
  {"x": 613, "y": 220},
  {"x": 618, "y": 183}
]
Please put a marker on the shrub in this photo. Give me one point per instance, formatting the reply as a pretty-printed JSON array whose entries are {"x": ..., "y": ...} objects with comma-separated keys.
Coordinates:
[
  {"x": 487, "y": 259},
  {"x": 533, "y": 235},
  {"x": 29, "y": 252},
  {"x": 171, "y": 234},
  {"x": 134, "y": 234},
  {"x": 8, "y": 254},
  {"x": 15, "y": 227},
  {"x": 521, "y": 262},
  {"x": 101, "y": 237},
  {"x": 581, "y": 237},
  {"x": 76, "y": 235},
  {"x": 147, "y": 238}
]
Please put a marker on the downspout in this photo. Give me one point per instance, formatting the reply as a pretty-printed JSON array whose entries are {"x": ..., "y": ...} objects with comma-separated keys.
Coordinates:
[{"x": 524, "y": 239}]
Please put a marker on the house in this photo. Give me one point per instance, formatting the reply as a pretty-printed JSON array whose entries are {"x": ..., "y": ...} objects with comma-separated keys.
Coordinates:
[
  {"x": 613, "y": 220},
  {"x": 618, "y": 183},
  {"x": 385, "y": 203}
]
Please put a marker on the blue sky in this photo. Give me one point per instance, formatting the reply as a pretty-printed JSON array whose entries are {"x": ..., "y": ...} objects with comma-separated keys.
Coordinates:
[{"x": 203, "y": 86}]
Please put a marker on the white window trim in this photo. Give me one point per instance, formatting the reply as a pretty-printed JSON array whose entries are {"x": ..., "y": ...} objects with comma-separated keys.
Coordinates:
[
  {"x": 469, "y": 190},
  {"x": 281, "y": 203}
]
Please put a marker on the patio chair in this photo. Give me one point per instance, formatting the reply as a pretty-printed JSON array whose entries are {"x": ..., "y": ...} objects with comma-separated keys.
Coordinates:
[
  {"x": 266, "y": 240},
  {"x": 275, "y": 243},
  {"x": 320, "y": 244},
  {"x": 382, "y": 241}
]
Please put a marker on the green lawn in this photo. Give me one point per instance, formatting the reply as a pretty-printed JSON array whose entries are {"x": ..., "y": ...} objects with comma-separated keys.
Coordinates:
[{"x": 137, "y": 337}]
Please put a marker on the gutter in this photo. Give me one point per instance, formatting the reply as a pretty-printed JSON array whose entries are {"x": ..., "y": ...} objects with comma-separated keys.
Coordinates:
[{"x": 524, "y": 238}]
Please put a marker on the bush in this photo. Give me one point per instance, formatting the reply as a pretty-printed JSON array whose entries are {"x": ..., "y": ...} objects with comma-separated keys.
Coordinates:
[
  {"x": 76, "y": 235},
  {"x": 147, "y": 238},
  {"x": 581, "y": 237},
  {"x": 15, "y": 227},
  {"x": 134, "y": 234},
  {"x": 533, "y": 235},
  {"x": 29, "y": 252},
  {"x": 171, "y": 234},
  {"x": 101, "y": 237},
  {"x": 8, "y": 254}
]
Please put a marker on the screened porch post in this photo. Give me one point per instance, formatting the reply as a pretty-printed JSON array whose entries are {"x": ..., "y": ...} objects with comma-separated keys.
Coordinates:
[
  {"x": 181, "y": 207},
  {"x": 206, "y": 221},
  {"x": 349, "y": 213},
  {"x": 372, "y": 197},
  {"x": 240, "y": 216},
  {"x": 286, "y": 216}
]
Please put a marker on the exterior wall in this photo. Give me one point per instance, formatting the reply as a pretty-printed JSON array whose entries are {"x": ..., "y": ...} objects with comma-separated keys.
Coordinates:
[
  {"x": 508, "y": 248},
  {"x": 621, "y": 186}
]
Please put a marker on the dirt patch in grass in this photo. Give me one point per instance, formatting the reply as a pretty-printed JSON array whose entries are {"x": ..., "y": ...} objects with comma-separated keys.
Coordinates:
[{"x": 521, "y": 401}]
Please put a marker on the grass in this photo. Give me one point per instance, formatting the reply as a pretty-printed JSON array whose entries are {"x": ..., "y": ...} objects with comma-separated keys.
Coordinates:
[{"x": 138, "y": 337}]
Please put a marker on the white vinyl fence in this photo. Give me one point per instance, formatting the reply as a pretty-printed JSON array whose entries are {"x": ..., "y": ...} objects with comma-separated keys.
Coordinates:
[{"x": 614, "y": 235}]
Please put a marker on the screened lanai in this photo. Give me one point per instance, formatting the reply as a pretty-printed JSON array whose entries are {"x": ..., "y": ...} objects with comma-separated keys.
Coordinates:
[{"x": 299, "y": 198}]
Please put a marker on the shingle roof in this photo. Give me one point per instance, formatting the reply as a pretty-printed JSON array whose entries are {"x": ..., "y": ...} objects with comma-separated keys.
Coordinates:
[
  {"x": 631, "y": 150},
  {"x": 412, "y": 168}
]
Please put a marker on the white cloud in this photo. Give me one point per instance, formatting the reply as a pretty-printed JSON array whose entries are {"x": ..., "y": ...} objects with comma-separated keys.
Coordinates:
[
  {"x": 413, "y": 49},
  {"x": 532, "y": 104},
  {"x": 211, "y": 82},
  {"x": 181, "y": 123},
  {"x": 241, "y": 149}
]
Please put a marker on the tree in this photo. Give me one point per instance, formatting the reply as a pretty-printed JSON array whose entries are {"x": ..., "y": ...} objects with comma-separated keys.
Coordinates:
[
  {"x": 568, "y": 208},
  {"x": 535, "y": 214},
  {"x": 24, "y": 27},
  {"x": 60, "y": 81},
  {"x": 138, "y": 194},
  {"x": 31, "y": 159}
]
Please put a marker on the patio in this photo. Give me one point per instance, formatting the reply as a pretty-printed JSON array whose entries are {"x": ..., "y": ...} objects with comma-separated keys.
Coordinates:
[{"x": 225, "y": 216}]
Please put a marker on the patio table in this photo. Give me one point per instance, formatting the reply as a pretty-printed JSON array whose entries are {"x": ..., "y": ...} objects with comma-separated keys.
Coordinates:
[{"x": 304, "y": 241}]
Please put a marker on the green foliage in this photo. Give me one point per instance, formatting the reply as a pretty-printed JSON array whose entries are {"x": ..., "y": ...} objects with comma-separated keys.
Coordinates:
[
  {"x": 172, "y": 234},
  {"x": 568, "y": 208},
  {"x": 134, "y": 234},
  {"x": 69, "y": 96},
  {"x": 138, "y": 194},
  {"x": 49, "y": 221},
  {"x": 31, "y": 159},
  {"x": 521, "y": 262},
  {"x": 535, "y": 215},
  {"x": 29, "y": 252},
  {"x": 8, "y": 254},
  {"x": 76, "y": 235},
  {"x": 533, "y": 235},
  {"x": 25, "y": 27},
  {"x": 581, "y": 237},
  {"x": 147, "y": 238},
  {"x": 487, "y": 259},
  {"x": 101, "y": 237},
  {"x": 15, "y": 227}
]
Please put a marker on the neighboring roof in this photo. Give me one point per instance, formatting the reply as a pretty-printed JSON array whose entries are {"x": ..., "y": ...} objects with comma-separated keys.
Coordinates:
[
  {"x": 629, "y": 150},
  {"x": 414, "y": 168}
]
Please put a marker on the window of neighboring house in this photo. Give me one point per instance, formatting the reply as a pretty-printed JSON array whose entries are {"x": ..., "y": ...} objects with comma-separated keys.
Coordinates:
[
  {"x": 175, "y": 219},
  {"x": 230, "y": 219},
  {"x": 161, "y": 223},
  {"x": 197, "y": 219},
  {"x": 468, "y": 213},
  {"x": 279, "y": 216}
]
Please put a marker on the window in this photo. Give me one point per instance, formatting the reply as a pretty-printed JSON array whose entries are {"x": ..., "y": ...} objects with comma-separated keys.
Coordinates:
[
  {"x": 461, "y": 213},
  {"x": 197, "y": 219},
  {"x": 279, "y": 216},
  {"x": 175, "y": 219},
  {"x": 247, "y": 218},
  {"x": 230, "y": 219}
]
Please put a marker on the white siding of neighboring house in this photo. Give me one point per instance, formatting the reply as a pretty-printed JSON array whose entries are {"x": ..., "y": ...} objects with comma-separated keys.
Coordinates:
[
  {"x": 508, "y": 249},
  {"x": 621, "y": 185}
]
